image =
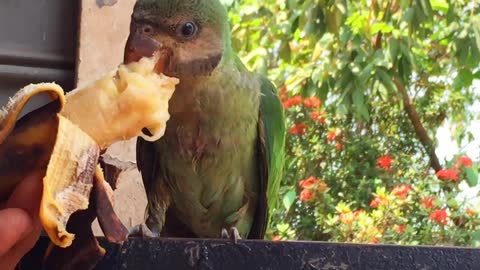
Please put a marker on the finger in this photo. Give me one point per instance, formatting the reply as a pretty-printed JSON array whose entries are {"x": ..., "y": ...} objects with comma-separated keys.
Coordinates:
[
  {"x": 28, "y": 193},
  {"x": 15, "y": 223},
  {"x": 12, "y": 257}
]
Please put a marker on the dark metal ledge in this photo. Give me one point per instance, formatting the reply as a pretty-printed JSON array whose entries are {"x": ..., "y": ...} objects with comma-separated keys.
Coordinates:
[{"x": 173, "y": 254}]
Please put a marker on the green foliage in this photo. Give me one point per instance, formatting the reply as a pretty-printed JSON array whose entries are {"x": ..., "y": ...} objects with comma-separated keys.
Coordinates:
[{"x": 384, "y": 71}]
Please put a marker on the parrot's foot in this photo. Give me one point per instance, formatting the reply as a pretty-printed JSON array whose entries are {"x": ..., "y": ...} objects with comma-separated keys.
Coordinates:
[
  {"x": 234, "y": 235},
  {"x": 142, "y": 230}
]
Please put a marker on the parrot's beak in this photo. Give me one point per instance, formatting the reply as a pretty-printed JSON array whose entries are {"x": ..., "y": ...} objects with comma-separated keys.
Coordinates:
[{"x": 139, "y": 46}]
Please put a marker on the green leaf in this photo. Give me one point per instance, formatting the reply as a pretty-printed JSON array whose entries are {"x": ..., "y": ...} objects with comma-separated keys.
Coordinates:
[
  {"x": 408, "y": 15},
  {"x": 476, "y": 30},
  {"x": 427, "y": 8},
  {"x": 439, "y": 5},
  {"x": 386, "y": 80},
  {"x": 359, "y": 102},
  {"x": 463, "y": 79},
  {"x": 393, "y": 49},
  {"x": 283, "y": 227},
  {"x": 452, "y": 203},
  {"x": 475, "y": 238},
  {"x": 472, "y": 176},
  {"x": 288, "y": 199},
  {"x": 381, "y": 27},
  {"x": 284, "y": 51},
  {"x": 322, "y": 92}
]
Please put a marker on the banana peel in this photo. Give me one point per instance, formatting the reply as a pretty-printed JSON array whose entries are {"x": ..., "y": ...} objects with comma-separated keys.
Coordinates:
[{"x": 66, "y": 136}]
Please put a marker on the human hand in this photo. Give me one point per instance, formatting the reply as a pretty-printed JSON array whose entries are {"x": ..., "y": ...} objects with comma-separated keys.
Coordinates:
[{"x": 20, "y": 225}]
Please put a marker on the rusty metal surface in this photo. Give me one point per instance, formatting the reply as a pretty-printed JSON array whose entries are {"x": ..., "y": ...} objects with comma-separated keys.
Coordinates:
[{"x": 220, "y": 254}]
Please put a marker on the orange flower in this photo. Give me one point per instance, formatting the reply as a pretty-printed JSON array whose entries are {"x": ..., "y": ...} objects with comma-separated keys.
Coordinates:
[
  {"x": 401, "y": 228},
  {"x": 346, "y": 218},
  {"x": 427, "y": 202},
  {"x": 377, "y": 201},
  {"x": 440, "y": 216},
  {"x": 470, "y": 212},
  {"x": 317, "y": 117},
  {"x": 385, "y": 162},
  {"x": 295, "y": 100},
  {"x": 306, "y": 183},
  {"x": 464, "y": 161},
  {"x": 339, "y": 146},
  {"x": 306, "y": 195},
  {"x": 276, "y": 238},
  {"x": 349, "y": 217},
  {"x": 401, "y": 190},
  {"x": 374, "y": 240},
  {"x": 447, "y": 174},
  {"x": 331, "y": 136},
  {"x": 357, "y": 213},
  {"x": 298, "y": 129},
  {"x": 312, "y": 102}
]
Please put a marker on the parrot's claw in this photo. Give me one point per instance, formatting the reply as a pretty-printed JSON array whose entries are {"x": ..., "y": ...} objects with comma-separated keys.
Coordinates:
[
  {"x": 234, "y": 235},
  {"x": 142, "y": 230}
]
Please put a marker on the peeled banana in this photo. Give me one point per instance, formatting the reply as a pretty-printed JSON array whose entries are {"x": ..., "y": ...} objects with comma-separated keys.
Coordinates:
[{"x": 66, "y": 136}]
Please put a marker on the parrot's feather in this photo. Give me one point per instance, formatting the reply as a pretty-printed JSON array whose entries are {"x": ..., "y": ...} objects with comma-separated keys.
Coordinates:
[
  {"x": 271, "y": 140},
  {"x": 157, "y": 195}
]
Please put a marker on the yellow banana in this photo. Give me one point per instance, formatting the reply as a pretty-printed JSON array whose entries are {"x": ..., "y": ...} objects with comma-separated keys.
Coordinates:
[{"x": 66, "y": 136}]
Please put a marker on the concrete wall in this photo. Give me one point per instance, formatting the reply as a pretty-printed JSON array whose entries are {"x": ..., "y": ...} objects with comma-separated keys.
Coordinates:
[{"x": 104, "y": 26}]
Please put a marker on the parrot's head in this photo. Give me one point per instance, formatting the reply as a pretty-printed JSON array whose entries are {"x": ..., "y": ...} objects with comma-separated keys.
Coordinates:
[{"x": 191, "y": 35}]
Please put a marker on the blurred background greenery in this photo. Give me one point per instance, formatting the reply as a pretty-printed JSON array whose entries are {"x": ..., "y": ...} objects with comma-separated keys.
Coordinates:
[{"x": 382, "y": 100}]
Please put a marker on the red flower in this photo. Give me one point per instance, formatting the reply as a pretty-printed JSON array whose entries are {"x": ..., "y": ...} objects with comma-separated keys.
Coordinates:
[
  {"x": 312, "y": 102},
  {"x": 440, "y": 216},
  {"x": 331, "y": 136},
  {"x": 447, "y": 174},
  {"x": 339, "y": 146},
  {"x": 427, "y": 202},
  {"x": 377, "y": 201},
  {"x": 306, "y": 183},
  {"x": 306, "y": 195},
  {"x": 276, "y": 238},
  {"x": 401, "y": 190},
  {"x": 283, "y": 93},
  {"x": 401, "y": 228},
  {"x": 298, "y": 129},
  {"x": 317, "y": 117},
  {"x": 295, "y": 100},
  {"x": 465, "y": 161},
  {"x": 385, "y": 162}
]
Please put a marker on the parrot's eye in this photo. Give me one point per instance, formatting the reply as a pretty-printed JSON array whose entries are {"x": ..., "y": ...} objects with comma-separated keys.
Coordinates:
[{"x": 188, "y": 29}]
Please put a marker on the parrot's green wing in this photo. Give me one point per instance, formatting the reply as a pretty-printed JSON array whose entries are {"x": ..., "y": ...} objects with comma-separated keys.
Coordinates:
[
  {"x": 146, "y": 157},
  {"x": 146, "y": 164},
  {"x": 271, "y": 145}
]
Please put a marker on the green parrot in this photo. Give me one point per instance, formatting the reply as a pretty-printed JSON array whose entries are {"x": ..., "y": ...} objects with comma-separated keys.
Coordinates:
[{"x": 216, "y": 171}]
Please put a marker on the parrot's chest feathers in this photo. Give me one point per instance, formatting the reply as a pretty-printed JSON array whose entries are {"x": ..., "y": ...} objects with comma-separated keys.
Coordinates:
[
  {"x": 214, "y": 115},
  {"x": 210, "y": 152}
]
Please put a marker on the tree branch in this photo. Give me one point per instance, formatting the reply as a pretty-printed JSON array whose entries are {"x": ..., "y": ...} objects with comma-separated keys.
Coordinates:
[{"x": 420, "y": 130}]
